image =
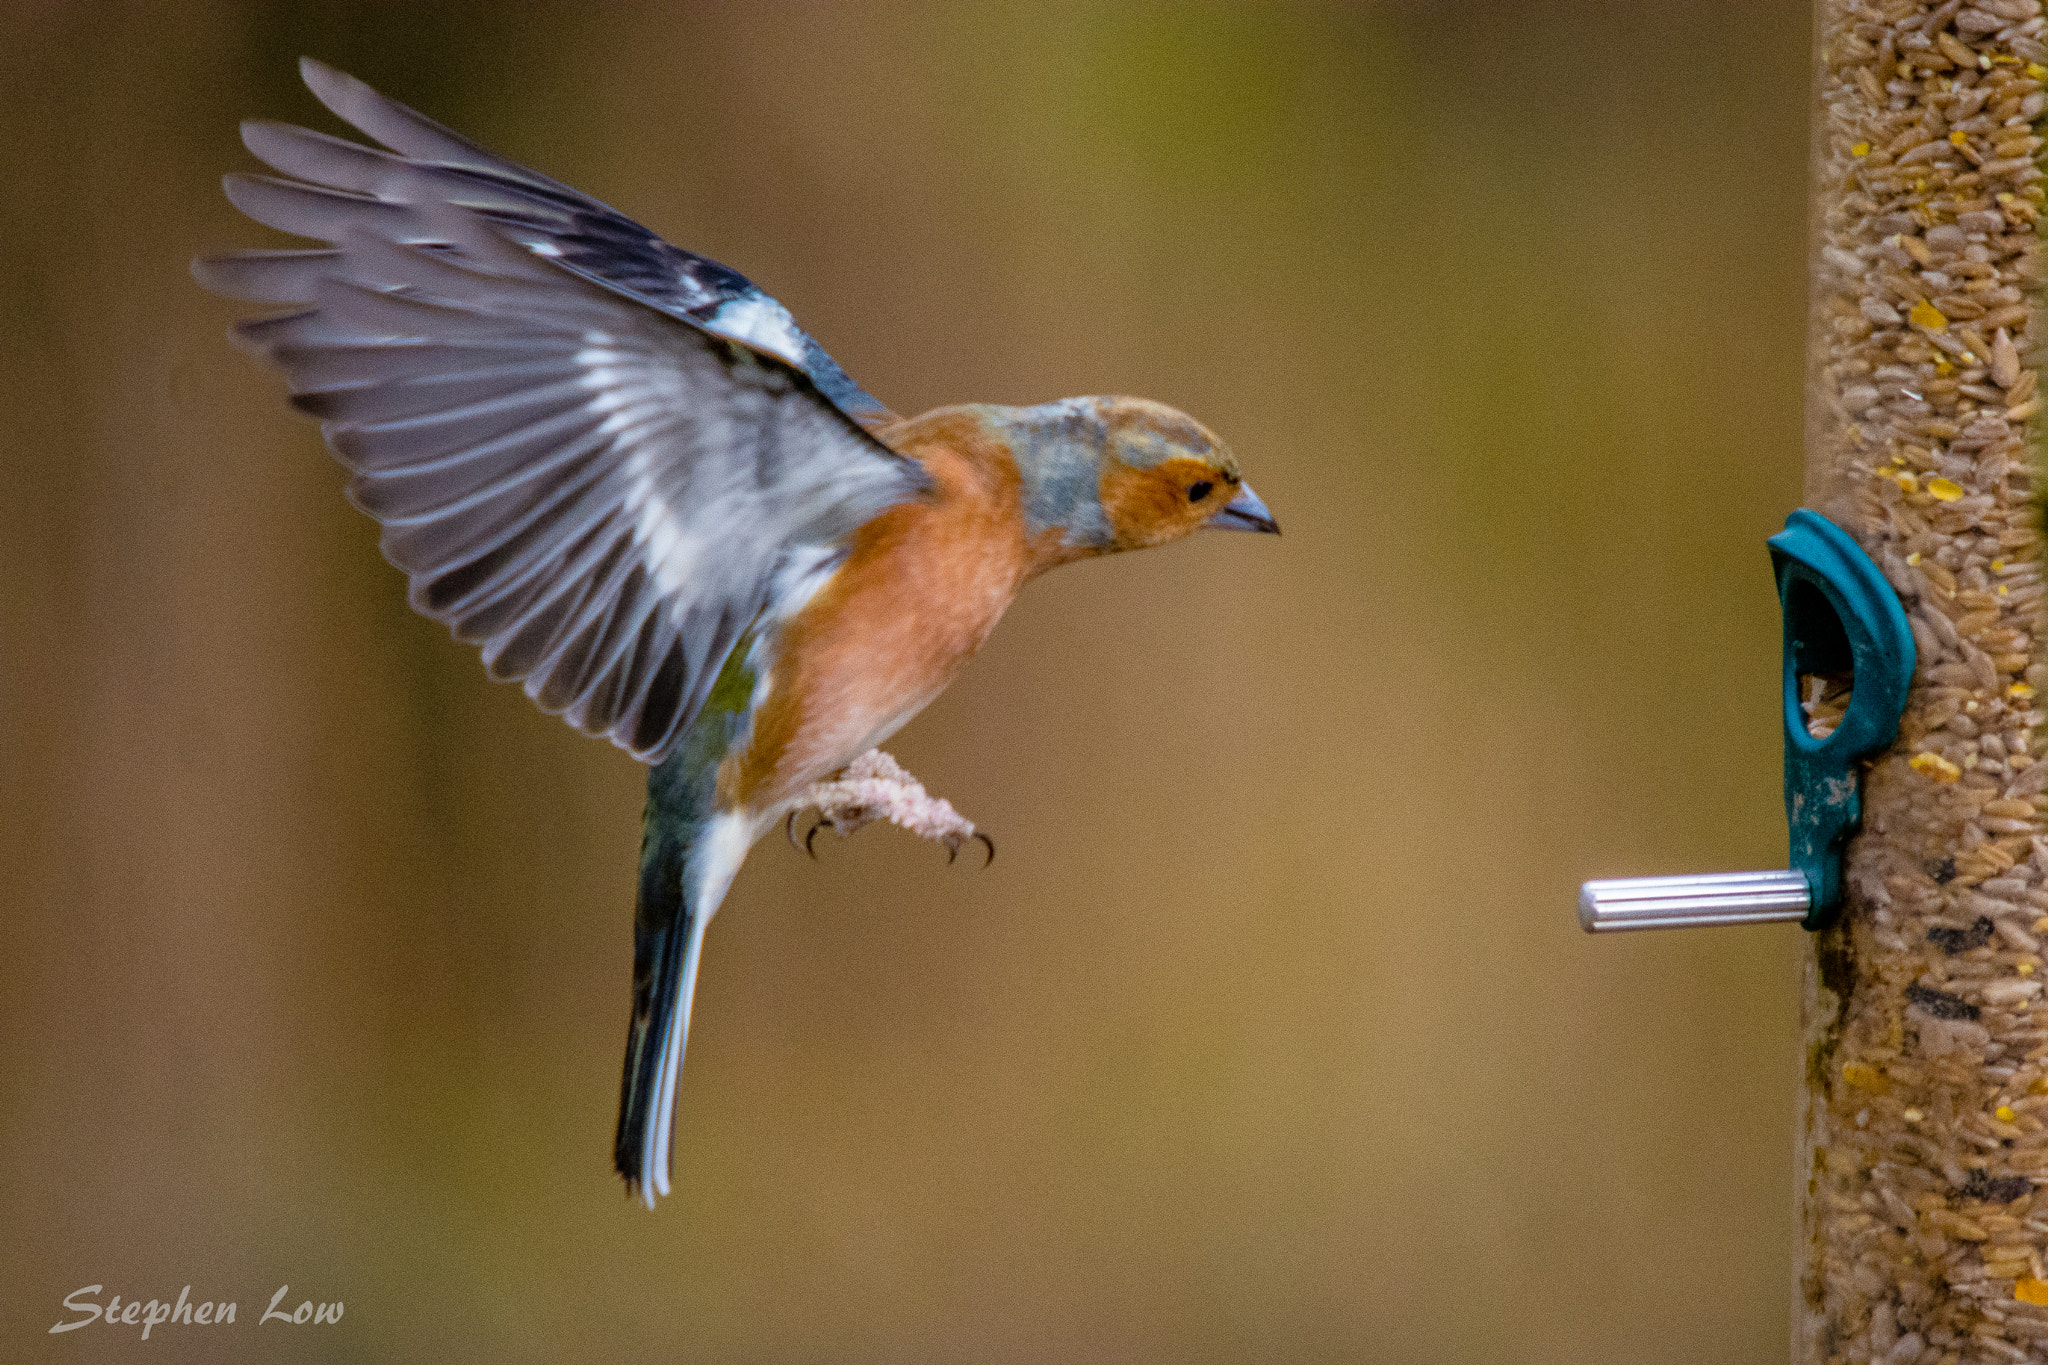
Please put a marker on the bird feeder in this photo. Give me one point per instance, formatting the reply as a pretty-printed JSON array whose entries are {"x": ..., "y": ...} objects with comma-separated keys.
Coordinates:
[
  {"x": 1846, "y": 637},
  {"x": 1911, "y": 589}
]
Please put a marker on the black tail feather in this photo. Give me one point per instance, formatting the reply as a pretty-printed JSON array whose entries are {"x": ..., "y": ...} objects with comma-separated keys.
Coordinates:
[
  {"x": 684, "y": 871},
  {"x": 661, "y": 940}
]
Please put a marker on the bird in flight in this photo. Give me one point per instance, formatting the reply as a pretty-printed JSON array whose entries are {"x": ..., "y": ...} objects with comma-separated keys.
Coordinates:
[{"x": 651, "y": 498}]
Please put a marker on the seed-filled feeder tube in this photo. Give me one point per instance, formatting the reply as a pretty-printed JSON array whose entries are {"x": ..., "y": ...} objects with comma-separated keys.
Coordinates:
[{"x": 1923, "y": 1142}]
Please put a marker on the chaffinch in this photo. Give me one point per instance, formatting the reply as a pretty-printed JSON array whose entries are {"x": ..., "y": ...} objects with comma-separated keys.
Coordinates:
[{"x": 628, "y": 475}]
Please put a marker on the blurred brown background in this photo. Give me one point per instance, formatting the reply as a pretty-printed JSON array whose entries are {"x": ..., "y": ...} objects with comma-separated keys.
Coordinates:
[{"x": 1270, "y": 1035}]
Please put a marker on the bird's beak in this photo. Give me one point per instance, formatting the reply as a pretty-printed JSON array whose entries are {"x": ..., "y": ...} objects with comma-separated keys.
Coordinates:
[{"x": 1243, "y": 513}]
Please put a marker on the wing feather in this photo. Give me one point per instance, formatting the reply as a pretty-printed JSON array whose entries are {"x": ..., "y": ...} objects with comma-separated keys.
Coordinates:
[
  {"x": 584, "y": 235},
  {"x": 580, "y": 475}
]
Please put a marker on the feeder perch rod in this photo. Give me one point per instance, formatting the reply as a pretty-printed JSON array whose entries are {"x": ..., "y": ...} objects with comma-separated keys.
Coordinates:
[{"x": 1693, "y": 902}]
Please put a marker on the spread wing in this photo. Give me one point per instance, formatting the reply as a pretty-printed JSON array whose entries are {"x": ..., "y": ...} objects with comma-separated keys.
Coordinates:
[
  {"x": 590, "y": 238},
  {"x": 601, "y": 489}
]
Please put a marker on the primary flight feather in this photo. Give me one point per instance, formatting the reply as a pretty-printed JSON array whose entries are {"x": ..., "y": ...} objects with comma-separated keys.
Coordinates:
[{"x": 648, "y": 495}]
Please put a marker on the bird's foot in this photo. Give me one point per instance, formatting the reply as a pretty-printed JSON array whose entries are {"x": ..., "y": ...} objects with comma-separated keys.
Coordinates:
[{"x": 875, "y": 787}]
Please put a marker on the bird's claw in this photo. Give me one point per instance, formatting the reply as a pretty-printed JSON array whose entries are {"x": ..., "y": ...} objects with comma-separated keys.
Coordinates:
[
  {"x": 875, "y": 787},
  {"x": 954, "y": 842},
  {"x": 789, "y": 832}
]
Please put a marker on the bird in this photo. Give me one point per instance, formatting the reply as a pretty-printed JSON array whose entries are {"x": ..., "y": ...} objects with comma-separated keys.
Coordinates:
[{"x": 654, "y": 501}]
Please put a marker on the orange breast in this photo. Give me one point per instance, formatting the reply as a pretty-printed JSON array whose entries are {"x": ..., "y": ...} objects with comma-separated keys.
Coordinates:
[{"x": 924, "y": 585}]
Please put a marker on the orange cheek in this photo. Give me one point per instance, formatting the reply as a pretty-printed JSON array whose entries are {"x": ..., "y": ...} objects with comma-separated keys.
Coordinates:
[{"x": 1150, "y": 506}]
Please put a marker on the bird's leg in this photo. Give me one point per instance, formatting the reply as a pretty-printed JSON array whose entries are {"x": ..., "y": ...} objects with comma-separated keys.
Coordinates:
[{"x": 875, "y": 787}]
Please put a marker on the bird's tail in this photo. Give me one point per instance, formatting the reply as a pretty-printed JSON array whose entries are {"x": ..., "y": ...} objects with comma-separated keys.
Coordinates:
[
  {"x": 689, "y": 852},
  {"x": 668, "y": 932}
]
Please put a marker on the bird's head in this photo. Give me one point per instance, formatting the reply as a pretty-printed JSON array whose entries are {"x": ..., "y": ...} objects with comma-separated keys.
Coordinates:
[{"x": 1124, "y": 473}]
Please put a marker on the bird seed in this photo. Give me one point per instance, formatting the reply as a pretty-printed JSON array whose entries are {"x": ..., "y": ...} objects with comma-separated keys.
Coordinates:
[{"x": 1923, "y": 1138}]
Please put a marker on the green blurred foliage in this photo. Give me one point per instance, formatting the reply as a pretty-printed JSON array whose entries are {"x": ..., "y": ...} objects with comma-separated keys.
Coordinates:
[{"x": 1270, "y": 1036}]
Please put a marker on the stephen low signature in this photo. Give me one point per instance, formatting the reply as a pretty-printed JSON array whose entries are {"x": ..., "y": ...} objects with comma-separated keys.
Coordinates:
[{"x": 185, "y": 1312}]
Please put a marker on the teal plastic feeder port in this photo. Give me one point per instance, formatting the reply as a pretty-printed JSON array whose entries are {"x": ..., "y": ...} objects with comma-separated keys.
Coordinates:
[
  {"x": 1843, "y": 623},
  {"x": 1841, "y": 616}
]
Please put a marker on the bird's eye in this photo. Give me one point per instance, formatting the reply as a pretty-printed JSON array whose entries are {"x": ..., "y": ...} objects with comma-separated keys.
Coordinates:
[{"x": 1199, "y": 490}]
